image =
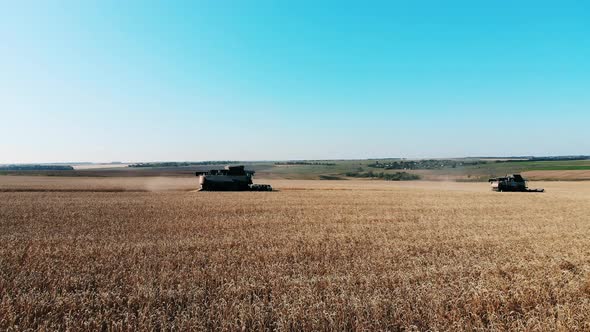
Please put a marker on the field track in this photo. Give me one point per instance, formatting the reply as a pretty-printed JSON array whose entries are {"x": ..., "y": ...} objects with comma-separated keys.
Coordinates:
[{"x": 150, "y": 253}]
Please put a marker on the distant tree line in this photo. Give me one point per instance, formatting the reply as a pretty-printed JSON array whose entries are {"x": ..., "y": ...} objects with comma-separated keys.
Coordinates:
[
  {"x": 397, "y": 176},
  {"x": 425, "y": 164},
  {"x": 36, "y": 168},
  {"x": 314, "y": 163}
]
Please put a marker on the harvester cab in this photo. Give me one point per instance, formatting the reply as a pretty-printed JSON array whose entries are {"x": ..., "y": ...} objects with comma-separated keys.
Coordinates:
[{"x": 511, "y": 182}]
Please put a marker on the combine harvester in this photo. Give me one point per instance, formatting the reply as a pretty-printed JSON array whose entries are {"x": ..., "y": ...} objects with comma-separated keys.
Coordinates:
[
  {"x": 231, "y": 178},
  {"x": 512, "y": 182}
]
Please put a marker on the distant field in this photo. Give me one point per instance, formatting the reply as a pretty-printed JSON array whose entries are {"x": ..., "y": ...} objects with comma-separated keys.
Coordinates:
[
  {"x": 474, "y": 173},
  {"x": 338, "y": 169},
  {"x": 558, "y": 175},
  {"x": 561, "y": 168},
  {"x": 542, "y": 165},
  {"x": 151, "y": 254},
  {"x": 98, "y": 166}
]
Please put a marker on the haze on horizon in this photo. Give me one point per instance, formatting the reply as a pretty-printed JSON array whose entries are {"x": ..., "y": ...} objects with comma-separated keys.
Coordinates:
[{"x": 265, "y": 80}]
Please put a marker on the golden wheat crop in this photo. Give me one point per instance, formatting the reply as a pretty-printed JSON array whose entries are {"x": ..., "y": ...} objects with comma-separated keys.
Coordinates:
[{"x": 331, "y": 255}]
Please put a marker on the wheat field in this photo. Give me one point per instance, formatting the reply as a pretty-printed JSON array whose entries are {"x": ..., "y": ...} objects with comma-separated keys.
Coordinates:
[{"x": 105, "y": 254}]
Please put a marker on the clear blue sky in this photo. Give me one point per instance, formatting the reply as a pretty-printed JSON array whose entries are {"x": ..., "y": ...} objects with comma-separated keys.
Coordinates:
[{"x": 251, "y": 80}]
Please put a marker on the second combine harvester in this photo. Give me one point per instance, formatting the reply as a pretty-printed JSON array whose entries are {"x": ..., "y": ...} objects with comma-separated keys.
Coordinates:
[
  {"x": 512, "y": 182},
  {"x": 231, "y": 178}
]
